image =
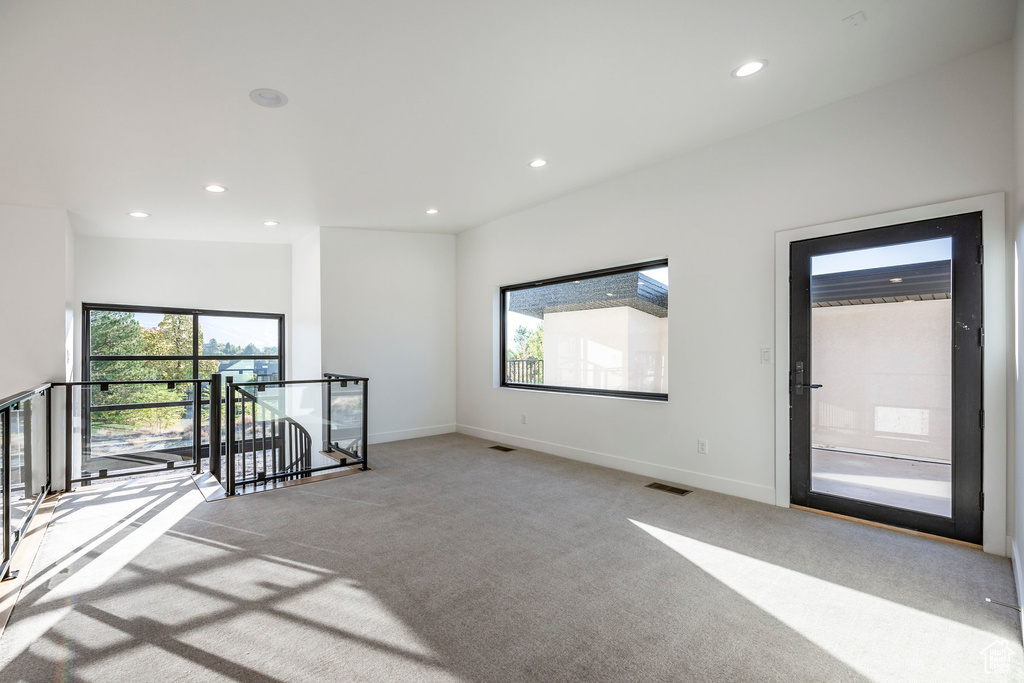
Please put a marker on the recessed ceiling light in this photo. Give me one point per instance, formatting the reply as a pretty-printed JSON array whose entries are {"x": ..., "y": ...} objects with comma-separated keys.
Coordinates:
[
  {"x": 215, "y": 188},
  {"x": 750, "y": 68},
  {"x": 896, "y": 279},
  {"x": 139, "y": 214},
  {"x": 431, "y": 211},
  {"x": 268, "y": 97},
  {"x": 270, "y": 224},
  {"x": 537, "y": 163}
]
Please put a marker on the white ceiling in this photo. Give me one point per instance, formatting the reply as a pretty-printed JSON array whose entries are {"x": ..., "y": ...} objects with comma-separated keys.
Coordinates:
[{"x": 110, "y": 106}]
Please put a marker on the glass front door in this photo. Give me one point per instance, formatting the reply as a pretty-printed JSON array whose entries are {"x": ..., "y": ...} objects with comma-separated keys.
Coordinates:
[{"x": 886, "y": 377}]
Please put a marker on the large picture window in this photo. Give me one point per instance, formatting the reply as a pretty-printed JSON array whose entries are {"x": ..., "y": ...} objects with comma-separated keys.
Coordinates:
[{"x": 604, "y": 332}]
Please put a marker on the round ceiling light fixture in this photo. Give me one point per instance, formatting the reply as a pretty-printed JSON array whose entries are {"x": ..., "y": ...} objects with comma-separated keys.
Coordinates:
[
  {"x": 538, "y": 163},
  {"x": 431, "y": 212},
  {"x": 268, "y": 97},
  {"x": 270, "y": 224},
  {"x": 139, "y": 214},
  {"x": 216, "y": 189},
  {"x": 749, "y": 69}
]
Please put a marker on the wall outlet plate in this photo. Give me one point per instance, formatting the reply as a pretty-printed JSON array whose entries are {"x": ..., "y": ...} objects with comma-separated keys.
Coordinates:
[{"x": 702, "y": 446}]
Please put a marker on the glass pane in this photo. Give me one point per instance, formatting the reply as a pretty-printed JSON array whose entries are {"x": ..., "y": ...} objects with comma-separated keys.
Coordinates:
[
  {"x": 227, "y": 336},
  {"x": 20, "y": 448},
  {"x": 245, "y": 370},
  {"x": 607, "y": 333},
  {"x": 28, "y": 457},
  {"x": 281, "y": 431},
  {"x": 120, "y": 333},
  {"x": 137, "y": 438},
  {"x": 3, "y": 442},
  {"x": 881, "y": 347},
  {"x": 128, "y": 394},
  {"x": 346, "y": 416},
  {"x": 122, "y": 370}
]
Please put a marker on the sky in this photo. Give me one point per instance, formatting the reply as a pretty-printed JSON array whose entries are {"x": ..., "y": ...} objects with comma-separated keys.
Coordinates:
[
  {"x": 239, "y": 331},
  {"x": 881, "y": 257}
]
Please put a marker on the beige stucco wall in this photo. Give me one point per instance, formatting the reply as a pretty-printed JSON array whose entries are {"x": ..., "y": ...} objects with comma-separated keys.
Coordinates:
[
  {"x": 606, "y": 348},
  {"x": 886, "y": 376}
]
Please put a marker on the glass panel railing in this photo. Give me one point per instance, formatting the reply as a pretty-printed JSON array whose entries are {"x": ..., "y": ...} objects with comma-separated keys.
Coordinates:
[
  {"x": 5, "y": 416},
  {"x": 29, "y": 474},
  {"x": 24, "y": 465},
  {"x": 134, "y": 427},
  {"x": 346, "y": 417},
  {"x": 287, "y": 430}
]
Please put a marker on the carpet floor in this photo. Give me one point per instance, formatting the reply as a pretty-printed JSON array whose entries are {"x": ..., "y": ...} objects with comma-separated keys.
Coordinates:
[{"x": 453, "y": 562}]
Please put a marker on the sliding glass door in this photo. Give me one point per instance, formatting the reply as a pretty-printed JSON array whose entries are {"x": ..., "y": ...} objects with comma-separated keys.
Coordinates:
[{"x": 151, "y": 424}]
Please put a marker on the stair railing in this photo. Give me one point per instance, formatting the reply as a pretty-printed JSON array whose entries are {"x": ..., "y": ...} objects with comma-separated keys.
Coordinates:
[{"x": 264, "y": 443}]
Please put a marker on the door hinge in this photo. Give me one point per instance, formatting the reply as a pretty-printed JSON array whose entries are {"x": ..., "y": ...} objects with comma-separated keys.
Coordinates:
[
  {"x": 981, "y": 418},
  {"x": 981, "y": 254},
  {"x": 981, "y": 501},
  {"x": 981, "y": 336}
]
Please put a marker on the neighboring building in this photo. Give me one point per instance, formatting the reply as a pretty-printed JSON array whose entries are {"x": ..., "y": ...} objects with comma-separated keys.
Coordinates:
[{"x": 612, "y": 335}]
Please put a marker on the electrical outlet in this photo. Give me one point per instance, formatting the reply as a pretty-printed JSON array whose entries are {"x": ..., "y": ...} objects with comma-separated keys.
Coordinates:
[
  {"x": 702, "y": 446},
  {"x": 524, "y": 418}
]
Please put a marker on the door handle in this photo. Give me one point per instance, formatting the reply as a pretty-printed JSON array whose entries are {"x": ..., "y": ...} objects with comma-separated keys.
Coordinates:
[{"x": 798, "y": 380}]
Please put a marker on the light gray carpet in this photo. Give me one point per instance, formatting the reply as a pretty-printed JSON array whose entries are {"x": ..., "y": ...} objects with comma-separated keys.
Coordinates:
[{"x": 452, "y": 562}]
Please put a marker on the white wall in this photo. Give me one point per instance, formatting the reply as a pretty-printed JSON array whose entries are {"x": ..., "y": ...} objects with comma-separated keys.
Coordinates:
[
  {"x": 388, "y": 313},
  {"x": 69, "y": 303},
  {"x": 304, "y": 352},
  {"x": 713, "y": 213},
  {"x": 33, "y": 288},
  {"x": 211, "y": 275}
]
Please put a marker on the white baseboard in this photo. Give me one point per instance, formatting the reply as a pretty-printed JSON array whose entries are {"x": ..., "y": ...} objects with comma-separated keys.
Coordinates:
[
  {"x": 762, "y": 494},
  {"x": 1018, "y": 577},
  {"x": 402, "y": 434}
]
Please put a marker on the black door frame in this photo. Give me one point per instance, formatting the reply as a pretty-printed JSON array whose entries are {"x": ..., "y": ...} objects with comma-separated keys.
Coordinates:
[{"x": 968, "y": 418}]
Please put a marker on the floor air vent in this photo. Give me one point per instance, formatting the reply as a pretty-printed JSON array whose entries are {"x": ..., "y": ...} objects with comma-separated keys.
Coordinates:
[
  {"x": 668, "y": 489},
  {"x": 503, "y": 449}
]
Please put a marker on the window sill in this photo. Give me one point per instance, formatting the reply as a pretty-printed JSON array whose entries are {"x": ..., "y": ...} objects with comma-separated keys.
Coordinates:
[{"x": 631, "y": 396}]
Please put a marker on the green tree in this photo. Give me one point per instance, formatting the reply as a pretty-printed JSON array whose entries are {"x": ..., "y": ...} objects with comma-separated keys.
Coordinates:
[
  {"x": 527, "y": 343},
  {"x": 212, "y": 347}
]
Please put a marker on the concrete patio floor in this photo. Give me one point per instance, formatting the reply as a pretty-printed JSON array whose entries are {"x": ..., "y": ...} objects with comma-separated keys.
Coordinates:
[{"x": 907, "y": 484}]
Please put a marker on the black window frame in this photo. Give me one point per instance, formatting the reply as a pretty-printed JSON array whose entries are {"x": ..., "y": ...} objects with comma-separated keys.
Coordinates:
[
  {"x": 196, "y": 356},
  {"x": 562, "y": 279}
]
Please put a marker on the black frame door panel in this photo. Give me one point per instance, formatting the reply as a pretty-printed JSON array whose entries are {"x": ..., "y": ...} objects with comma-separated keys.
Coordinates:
[{"x": 968, "y": 416}]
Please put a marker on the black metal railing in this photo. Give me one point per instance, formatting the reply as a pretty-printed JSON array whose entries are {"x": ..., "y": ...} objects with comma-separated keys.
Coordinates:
[
  {"x": 346, "y": 424},
  {"x": 269, "y": 425},
  {"x": 122, "y": 434},
  {"x": 267, "y": 444},
  {"x": 247, "y": 433},
  {"x": 25, "y": 443},
  {"x": 524, "y": 371}
]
